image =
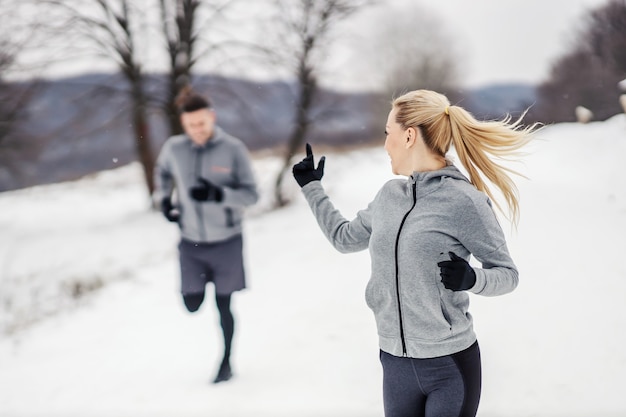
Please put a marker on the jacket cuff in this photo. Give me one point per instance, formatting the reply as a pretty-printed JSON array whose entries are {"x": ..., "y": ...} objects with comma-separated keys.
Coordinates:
[
  {"x": 480, "y": 283},
  {"x": 312, "y": 185}
]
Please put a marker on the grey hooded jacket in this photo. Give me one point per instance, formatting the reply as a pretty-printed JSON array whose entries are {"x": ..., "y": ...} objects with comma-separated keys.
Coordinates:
[
  {"x": 224, "y": 161},
  {"x": 409, "y": 227}
]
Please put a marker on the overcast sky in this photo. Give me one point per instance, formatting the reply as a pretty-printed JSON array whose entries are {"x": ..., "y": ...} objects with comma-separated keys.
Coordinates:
[
  {"x": 512, "y": 40},
  {"x": 499, "y": 41}
]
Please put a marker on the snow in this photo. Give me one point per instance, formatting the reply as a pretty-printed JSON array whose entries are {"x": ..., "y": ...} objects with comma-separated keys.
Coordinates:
[{"x": 305, "y": 341}]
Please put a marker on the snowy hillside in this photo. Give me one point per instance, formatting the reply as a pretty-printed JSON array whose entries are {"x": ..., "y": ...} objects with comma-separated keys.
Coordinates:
[{"x": 306, "y": 343}]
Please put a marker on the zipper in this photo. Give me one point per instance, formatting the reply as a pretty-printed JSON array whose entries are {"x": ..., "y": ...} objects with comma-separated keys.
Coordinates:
[
  {"x": 404, "y": 352},
  {"x": 197, "y": 170}
]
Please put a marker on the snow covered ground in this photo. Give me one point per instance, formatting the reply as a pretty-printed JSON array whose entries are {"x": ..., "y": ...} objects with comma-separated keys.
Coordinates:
[{"x": 305, "y": 342}]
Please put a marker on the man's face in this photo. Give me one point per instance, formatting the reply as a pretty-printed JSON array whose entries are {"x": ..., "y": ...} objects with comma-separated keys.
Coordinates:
[{"x": 198, "y": 125}]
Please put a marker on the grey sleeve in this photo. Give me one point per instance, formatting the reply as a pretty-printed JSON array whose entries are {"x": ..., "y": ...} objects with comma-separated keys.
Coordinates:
[
  {"x": 245, "y": 192},
  {"x": 163, "y": 179},
  {"x": 482, "y": 235},
  {"x": 346, "y": 236}
]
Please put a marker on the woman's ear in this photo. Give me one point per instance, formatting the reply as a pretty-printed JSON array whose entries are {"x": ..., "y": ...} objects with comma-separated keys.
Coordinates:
[{"x": 411, "y": 137}]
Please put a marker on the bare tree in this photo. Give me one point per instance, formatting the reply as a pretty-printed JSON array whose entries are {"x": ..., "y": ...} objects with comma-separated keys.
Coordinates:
[
  {"x": 577, "y": 79},
  {"x": 606, "y": 34},
  {"x": 588, "y": 73},
  {"x": 8, "y": 110},
  {"x": 413, "y": 50},
  {"x": 113, "y": 26},
  {"x": 304, "y": 29},
  {"x": 408, "y": 48},
  {"x": 186, "y": 25},
  {"x": 16, "y": 145}
]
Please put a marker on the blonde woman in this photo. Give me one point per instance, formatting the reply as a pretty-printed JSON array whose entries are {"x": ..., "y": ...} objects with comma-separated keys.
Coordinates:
[{"x": 420, "y": 232}]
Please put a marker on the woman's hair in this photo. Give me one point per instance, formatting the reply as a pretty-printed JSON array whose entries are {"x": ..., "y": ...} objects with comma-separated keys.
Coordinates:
[
  {"x": 189, "y": 101},
  {"x": 442, "y": 124}
]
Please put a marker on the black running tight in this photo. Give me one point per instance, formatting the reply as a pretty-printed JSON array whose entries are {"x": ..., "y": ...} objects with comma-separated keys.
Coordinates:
[
  {"x": 227, "y": 321},
  {"x": 447, "y": 386}
]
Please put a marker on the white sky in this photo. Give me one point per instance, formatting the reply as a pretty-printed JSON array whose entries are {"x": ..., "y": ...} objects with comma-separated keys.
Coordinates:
[
  {"x": 504, "y": 41},
  {"x": 514, "y": 40}
]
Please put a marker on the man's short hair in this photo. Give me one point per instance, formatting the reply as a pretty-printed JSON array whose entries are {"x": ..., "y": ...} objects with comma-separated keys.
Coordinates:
[{"x": 189, "y": 101}]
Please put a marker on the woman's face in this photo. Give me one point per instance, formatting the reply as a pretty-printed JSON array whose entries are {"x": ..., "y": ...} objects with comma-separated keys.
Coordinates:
[{"x": 395, "y": 145}]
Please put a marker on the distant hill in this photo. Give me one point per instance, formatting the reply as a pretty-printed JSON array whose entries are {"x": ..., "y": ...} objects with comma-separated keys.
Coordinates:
[
  {"x": 494, "y": 101},
  {"x": 82, "y": 123}
]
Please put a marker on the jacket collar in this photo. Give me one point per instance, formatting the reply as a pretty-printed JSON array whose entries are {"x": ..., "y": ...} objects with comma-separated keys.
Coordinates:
[
  {"x": 448, "y": 171},
  {"x": 216, "y": 137}
]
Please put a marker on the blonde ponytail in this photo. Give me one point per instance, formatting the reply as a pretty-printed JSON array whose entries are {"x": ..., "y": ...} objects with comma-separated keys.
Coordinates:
[{"x": 477, "y": 143}]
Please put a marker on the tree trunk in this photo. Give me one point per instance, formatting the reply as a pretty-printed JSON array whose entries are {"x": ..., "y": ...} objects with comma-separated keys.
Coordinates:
[
  {"x": 175, "y": 85},
  {"x": 307, "y": 87},
  {"x": 143, "y": 146},
  {"x": 181, "y": 43}
]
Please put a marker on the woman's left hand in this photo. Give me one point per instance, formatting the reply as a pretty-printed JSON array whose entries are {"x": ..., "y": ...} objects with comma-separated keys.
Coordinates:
[{"x": 457, "y": 274}]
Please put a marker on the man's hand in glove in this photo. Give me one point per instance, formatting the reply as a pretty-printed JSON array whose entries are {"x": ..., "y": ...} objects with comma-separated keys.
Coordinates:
[
  {"x": 304, "y": 171},
  {"x": 205, "y": 190},
  {"x": 170, "y": 211},
  {"x": 457, "y": 274}
]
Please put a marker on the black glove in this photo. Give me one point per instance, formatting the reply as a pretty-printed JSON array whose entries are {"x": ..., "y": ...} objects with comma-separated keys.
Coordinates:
[
  {"x": 170, "y": 211},
  {"x": 304, "y": 171},
  {"x": 206, "y": 191},
  {"x": 457, "y": 274}
]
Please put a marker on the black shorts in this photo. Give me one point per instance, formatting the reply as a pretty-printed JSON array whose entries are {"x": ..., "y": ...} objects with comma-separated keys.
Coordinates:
[{"x": 217, "y": 262}]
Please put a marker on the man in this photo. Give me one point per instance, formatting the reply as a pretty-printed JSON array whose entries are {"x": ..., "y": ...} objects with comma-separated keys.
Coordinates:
[{"x": 214, "y": 182}]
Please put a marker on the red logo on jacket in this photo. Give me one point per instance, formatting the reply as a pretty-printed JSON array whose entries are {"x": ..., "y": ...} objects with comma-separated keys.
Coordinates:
[{"x": 220, "y": 169}]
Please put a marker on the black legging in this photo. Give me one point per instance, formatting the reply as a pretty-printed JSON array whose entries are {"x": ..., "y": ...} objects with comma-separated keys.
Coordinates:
[
  {"x": 227, "y": 321},
  {"x": 447, "y": 386}
]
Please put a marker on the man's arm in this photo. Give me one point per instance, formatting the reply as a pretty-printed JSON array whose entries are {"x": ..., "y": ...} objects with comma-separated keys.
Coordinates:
[{"x": 245, "y": 192}]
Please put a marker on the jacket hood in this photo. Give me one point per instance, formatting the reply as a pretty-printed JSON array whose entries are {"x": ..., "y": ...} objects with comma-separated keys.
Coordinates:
[{"x": 450, "y": 171}]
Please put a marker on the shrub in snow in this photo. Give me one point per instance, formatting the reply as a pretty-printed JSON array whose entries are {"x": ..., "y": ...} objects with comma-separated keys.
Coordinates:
[
  {"x": 622, "y": 101},
  {"x": 583, "y": 114}
]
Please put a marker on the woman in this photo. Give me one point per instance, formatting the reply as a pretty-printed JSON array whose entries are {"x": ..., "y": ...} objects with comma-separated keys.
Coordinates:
[{"x": 420, "y": 233}]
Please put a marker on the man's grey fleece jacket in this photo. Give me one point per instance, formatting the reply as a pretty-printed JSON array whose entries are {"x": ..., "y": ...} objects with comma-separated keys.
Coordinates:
[
  {"x": 409, "y": 227},
  {"x": 225, "y": 162}
]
